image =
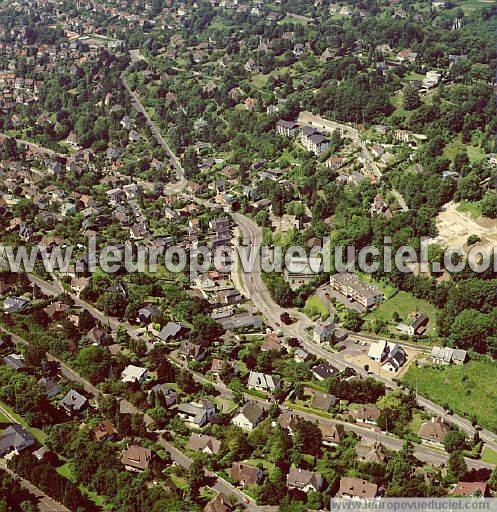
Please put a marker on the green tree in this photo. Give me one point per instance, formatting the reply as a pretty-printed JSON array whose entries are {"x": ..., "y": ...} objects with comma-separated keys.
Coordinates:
[
  {"x": 454, "y": 441},
  {"x": 456, "y": 467},
  {"x": 411, "y": 99},
  {"x": 195, "y": 480}
]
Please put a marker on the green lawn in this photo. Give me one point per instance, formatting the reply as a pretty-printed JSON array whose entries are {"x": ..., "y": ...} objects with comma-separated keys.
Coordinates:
[
  {"x": 472, "y": 5},
  {"x": 404, "y": 304},
  {"x": 468, "y": 389},
  {"x": 416, "y": 423},
  {"x": 455, "y": 147},
  {"x": 67, "y": 471},
  {"x": 254, "y": 462},
  {"x": 289, "y": 18},
  {"x": 38, "y": 434},
  {"x": 488, "y": 455},
  {"x": 472, "y": 208},
  {"x": 315, "y": 307}
]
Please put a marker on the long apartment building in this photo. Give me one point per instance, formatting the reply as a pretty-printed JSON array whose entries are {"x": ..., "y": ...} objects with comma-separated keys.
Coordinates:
[{"x": 353, "y": 288}]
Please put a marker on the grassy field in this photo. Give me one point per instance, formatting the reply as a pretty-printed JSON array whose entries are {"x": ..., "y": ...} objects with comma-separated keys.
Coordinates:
[
  {"x": 315, "y": 307},
  {"x": 468, "y": 389},
  {"x": 456, "y": 146},
  {"x": 472, "y": 5},
  {"x": 404, "y": 304}
]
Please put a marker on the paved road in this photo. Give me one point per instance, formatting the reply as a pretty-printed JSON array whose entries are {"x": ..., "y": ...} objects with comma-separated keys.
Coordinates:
[
  {"x": 34, "y": 146},
  {"x": 172, "y": 188},
  {"x": 45, "y": 504},
  {"x": 308, "y": 119},
  {"x": 427, "y": 454},
  {"x": 221, "y": 485},
  {"x": 251, "y": 285}
]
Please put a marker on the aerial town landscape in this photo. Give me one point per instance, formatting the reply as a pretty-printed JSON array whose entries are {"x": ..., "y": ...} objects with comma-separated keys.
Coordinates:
[{"x": 170, "y": 131}]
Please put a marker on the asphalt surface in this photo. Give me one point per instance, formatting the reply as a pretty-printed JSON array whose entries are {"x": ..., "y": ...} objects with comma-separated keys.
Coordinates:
[
  {"x": 45, "y": 503},
  {"x": 251, "y": 285}
]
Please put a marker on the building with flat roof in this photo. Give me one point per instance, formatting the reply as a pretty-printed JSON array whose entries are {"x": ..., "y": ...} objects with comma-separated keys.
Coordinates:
[{"x": 349, "y": 285}]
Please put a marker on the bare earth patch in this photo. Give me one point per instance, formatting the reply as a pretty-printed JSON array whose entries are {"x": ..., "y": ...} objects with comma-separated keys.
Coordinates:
[{"x": 455, "y": 227}]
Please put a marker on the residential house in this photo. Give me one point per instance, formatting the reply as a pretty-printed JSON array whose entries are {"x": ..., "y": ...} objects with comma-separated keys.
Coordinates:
[
  {"x": 448, "y": 355},
  {"x": 332, "y": 433},
  {"x": 134, "y": 374},
  {"x": 79, "y": 283},
  {"x": 349, "y": 285},
  {"x": 74, "y": 403},
  {"x": 14, "y": 304},
  {"x": 271, "y": 343},
  {"x": 263, "y": 382},
  {"x": 166, "y": 394},
  {"x": 366, "y": 414},
  {"x": 245, "y": 474},
  {"x": 56, "y": 310},
  {"x": 205, "y": 444},
  {"x": 324, "y": 371},
  {"x": 471, "y": 489},
  {"x": 304, "y": 480},
  {"x": 191, "y": 352},
  {"x": 377, "y": 150},
  {"x": 104, "y": 431},
  {"x": 300, "y": 271},
  {"x": 406, "y": 55},
  {"x": 251, "y": 66},
  {"x": 334, "y": 162},
  {"x": 371, "y": 452},
  {"x": 15, "y": 438},
  {"x": 323, "y": 401},
  {"x": 136, "y": 458},
  {"x": 220, "y": 503},
  {"x": 301, "y": 356},
  {"x": 390, "y": 355},
  {"x": 356, "y": 488},
  {"x": 197, "y": 414},
  {"x": 15, "y": 361},
  {"x": 146, "y": 313},
  {"x": 434, "y": 431},
  {"x": 322, "y": 331},
  {"x": 248, "y": 417},
  {"x": 380, "y": 207},
  {"x": 172, "y": 331},
  {"x": 417, "y": 325},
  {"x": 97, "y": 335},
  {"x": 288, "y": 420},
  {"x": 228, "y": 297},
  {"x": 50, "y": 387},
  {"x": 241, "y": 321}
]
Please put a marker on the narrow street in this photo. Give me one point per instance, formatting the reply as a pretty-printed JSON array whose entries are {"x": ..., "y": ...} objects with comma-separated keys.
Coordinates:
[{"x": 45, "y": 503}]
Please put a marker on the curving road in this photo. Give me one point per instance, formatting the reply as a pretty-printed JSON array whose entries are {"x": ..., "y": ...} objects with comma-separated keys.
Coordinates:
[
  {"x": 251, "y": 286},
  {"x": 179, "y": 457}
]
